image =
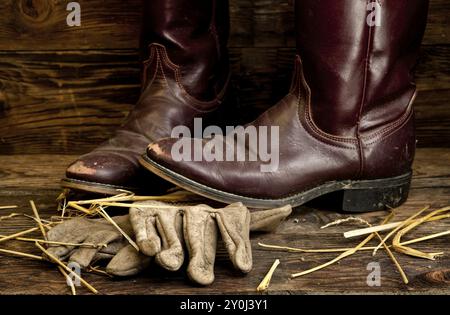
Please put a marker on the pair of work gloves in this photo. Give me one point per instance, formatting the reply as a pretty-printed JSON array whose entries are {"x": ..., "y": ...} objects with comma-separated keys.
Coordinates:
[{"x": 162, "y": 231}]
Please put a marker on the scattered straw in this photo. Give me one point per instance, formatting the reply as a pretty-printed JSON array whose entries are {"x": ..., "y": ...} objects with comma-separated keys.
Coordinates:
[
  {"x": 341, "y": 256},
  {"x": 264, "y": 285},
  {"x": 404, "y": 223},
  {"x": 339, "y": 250},
  {"x": 388, "y": 250},
  {"x": 413, "y": 252},
  {"x": 20, "y": 254},
  {"x": 38, "y": 219},
  {"x": 60, "y": 263}
]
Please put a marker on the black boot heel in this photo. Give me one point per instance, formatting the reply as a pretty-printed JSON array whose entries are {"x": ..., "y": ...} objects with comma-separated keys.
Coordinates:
[{"x": 374, "y": 195}]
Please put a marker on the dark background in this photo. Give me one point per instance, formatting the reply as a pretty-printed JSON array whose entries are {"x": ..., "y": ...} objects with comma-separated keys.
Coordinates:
[{"x": 63, "y": 90}]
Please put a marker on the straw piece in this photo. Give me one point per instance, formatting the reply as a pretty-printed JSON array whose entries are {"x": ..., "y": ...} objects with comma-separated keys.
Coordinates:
[
  {"x": 108, "y": 218},
  {"x": 57, "y": 261},
  {"x": 303, "y": 250},
  {"x": 9, "y": 216},
  {"x": 426, "y": 238},
  {"x": 386, "y": 227},
  {"x": 62, "y": 201},
  {"x": 9, "y": 237},
  {"x": 98, "y": 271},
  {"x": 38, "y": 218},
  {"x": 8, "y": 207},
  {"x": 346, "y": 220},
  {"x": 130, "y": 205},
  {"x": 128, "y": 196},
  {"x": 78, "y": 207},
  {"x": 68, "y": 280},
  {"x": 264, "y": 285},
  {"x": 404, "y": 223},
  {"x": 26, "y": 239},
  {"x": 12, "y": 252}
]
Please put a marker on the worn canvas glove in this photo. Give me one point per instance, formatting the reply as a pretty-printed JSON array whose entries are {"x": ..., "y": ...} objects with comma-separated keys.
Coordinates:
[
  {"x": 124, "y": 259},
  {"x": 162, "y": 229}
]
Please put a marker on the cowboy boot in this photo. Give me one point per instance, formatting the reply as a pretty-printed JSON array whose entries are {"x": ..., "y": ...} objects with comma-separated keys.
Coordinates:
[
  {"x": 346, "y": 126},
  {"x": 185, "y": 75}
]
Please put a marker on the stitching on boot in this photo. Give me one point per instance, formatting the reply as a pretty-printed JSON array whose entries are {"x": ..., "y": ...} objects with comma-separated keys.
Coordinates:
[{"x": 178, "y": 78}]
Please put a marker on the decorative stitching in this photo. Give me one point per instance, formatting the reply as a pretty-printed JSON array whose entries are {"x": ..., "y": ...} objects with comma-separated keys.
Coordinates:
[
  {"x": 393, "y": 125},
  {"x": 176, "y": 69},
  {"x": 363, "y": 98},
  {"x": 393, "y": 130},
  {"x": 318, "y": 132}
]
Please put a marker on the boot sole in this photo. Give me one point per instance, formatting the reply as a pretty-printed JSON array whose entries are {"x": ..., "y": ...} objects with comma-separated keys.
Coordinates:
[
  {"x": 349, "y": 195},
  {"x": 92, "y": 187}
]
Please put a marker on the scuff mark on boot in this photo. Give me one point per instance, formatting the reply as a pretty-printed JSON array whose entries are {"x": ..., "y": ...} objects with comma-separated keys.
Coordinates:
[{"x": 79, "y": 168}]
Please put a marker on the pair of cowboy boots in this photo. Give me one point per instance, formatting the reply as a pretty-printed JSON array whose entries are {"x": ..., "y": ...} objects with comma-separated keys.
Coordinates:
[{"x": 345, "y": 128}]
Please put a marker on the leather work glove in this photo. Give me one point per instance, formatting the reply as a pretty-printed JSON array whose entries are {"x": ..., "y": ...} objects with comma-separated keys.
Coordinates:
[
  {"x": 162, "y": 230},
  {"x": 125, "y": 260}
]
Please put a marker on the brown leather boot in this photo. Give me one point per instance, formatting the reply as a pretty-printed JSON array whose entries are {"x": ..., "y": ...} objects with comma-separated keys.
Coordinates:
[
  {"x": 346, "y": 125},
  {"x": 185, "y": 75}
]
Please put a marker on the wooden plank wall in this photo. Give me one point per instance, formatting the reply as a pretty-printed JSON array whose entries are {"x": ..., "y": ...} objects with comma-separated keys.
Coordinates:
[{"x": 64, "y": 90}]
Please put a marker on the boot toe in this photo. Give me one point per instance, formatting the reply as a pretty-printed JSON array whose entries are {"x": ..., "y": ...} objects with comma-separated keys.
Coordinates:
[{"x": 106, "y": 168}]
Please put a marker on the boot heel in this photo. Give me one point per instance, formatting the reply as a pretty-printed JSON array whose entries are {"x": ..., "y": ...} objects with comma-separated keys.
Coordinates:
[{"x": 375, "y": 195}]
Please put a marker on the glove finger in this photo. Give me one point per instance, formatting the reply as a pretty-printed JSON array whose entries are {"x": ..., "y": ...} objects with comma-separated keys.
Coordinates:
[
  {"x": 85, "y": 255},
  {"x": 234, "y": 227},
  {"x": 269, "y": 220},
  {"x": 128, "y": 262},
  {"x": 200, "y": 236},
  {"x": 144, "y": 226},
  {"x": 169, "y": 226}
]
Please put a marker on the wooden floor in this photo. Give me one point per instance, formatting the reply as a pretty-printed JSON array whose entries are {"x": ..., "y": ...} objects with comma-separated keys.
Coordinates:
[{"x": 36, "y": 177}]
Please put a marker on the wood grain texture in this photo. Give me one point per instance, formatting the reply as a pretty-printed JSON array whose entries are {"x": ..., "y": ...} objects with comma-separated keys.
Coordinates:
[{"x": 36, "y": 177}]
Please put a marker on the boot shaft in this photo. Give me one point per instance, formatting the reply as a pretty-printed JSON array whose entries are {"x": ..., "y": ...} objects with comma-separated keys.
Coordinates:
[
  {"x": 358, "y": 58},
  {"x": 194, "y": 34}
]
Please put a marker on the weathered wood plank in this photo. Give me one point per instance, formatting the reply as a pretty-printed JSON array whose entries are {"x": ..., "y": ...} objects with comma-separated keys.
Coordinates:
[
  {"x": 63, "y": 101},
  {"x": 35, "y": 177},
  {"x": 113, "y": 24},
  {"x": 67, "y": 102}
]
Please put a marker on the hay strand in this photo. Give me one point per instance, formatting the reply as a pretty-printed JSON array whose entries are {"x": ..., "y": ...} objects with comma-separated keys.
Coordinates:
[{"x": 264, "y": 285}]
